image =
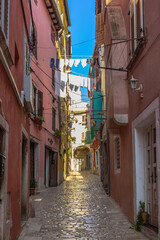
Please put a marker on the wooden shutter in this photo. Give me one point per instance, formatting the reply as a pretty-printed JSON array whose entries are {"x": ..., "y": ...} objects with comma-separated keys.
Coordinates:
[
  {"x": 117, "y": 152},
  {"x": 6, "y": 4},
  {"x": 40, "y": 103},
  {"x": 27, "y": 60},
  {"x": 138, "y": 14},
  {"x": 53, "y": 119},
  {"x": 53, "y": 77},
  {"x": 132, "y": 33},
  {"x": 0, "y": 10}
]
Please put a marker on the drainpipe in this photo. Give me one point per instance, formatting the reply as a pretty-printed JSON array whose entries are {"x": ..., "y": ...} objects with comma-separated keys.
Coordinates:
[{"x": 108, "y": 162}]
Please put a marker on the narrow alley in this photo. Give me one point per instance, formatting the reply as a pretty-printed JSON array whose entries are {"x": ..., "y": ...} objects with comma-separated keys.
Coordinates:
[{"x": 77, "y": 209}]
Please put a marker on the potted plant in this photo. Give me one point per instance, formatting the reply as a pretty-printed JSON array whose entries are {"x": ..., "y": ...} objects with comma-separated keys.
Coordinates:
[
  {"x": 57, "y": 133},
  {"x": 38, "y": 119},
  {"x": 33, "y": 185},
  {"x": 143, "y": 212}
]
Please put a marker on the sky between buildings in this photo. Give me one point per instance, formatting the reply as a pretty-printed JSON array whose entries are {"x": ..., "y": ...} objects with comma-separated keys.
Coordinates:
[{"x": 82, "y": 14}]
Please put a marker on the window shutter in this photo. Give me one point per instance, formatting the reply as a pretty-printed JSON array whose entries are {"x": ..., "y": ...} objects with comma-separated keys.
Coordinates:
[
  {"x": 0, "y": 11},
  {"x": 40, "y": 103},
  {"x": 27, "y": 60},
  {"x": 53, "y": 77},
  {"x": 138, "y": 14},
  {"x": 132, "y": 33},
  {"x": 6, "y": 4},
  {"x": 53, "y": 119}
]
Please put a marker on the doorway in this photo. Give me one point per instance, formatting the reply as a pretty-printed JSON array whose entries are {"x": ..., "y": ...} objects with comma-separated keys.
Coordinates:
[
  {"x": 51, "y": 163},
  {"x": 152, "y": 185},
  {"x": 24, "y": 178}
]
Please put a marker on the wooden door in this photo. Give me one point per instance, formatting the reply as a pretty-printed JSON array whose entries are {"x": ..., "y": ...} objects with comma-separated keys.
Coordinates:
[{"x": 152, "y": 193}]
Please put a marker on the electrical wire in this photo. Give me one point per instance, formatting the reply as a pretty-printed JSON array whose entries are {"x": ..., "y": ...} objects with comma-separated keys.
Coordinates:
[{"x": 55, "y": 81}]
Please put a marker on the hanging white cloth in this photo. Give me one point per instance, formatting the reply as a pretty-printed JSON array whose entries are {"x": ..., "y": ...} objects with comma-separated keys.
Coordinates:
[
  {"x": 84, "y": 63},
  {"x": 77, "y": 61},
  {"x": 71, "y": 62},
  {"x": 61, "y": 64},
  {"x": 63, "y": 81}
]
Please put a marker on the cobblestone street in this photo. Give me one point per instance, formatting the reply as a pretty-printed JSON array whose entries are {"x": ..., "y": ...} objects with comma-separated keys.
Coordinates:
[{"x": 77, "y": 209}]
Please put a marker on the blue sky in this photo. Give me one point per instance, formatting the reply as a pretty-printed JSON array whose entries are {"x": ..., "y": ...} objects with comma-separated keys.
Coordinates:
[{"x": 82, "y": 14}]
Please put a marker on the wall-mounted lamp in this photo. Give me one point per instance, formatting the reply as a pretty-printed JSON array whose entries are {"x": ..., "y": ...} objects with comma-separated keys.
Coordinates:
[
  {"x": 133, "y": 83},
  {"x": 72, "y": 115}
]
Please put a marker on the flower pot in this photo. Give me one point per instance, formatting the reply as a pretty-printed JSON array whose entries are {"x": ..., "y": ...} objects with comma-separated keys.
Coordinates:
[
  {"x": 32, "y": 191},
  {"x": 144, "y": 217}
]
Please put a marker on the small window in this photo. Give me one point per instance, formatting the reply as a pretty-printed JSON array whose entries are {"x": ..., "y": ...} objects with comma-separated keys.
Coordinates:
[
  {"x": 34, "y": 41},
  {"x": 4, "y": 18},
  {"x": 53, "y": 36},
  {"x": 84, "y": 119},
  {"x": 117, "y": 153},
  {"x": 136, "y": 22},
  {"x": 53, "y": 77},
  {"x": 37, "y": 99},
  {"x": 54, "y": 119}
]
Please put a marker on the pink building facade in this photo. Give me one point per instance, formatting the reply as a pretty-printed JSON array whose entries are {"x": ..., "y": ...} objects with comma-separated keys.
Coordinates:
[
  {"x": 14, "y": 121},
  {"x": 29, "y": 110}
]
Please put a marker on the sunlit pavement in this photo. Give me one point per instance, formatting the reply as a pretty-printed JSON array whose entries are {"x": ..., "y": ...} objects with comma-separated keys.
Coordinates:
[{"x": 77, "y": 209}]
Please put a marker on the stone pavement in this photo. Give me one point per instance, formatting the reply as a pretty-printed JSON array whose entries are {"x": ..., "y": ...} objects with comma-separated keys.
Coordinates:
[{"x": 77, "y": 209}]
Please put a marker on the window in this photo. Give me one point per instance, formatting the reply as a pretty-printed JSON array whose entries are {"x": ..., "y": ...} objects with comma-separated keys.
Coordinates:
[
  {"x": 136, "y": 22},
  {"x": 37, "y": 101},
  {"x": 84, "y": 119},
  {"x": 53, "y": 77},
  {"x": 83, "y": 135},
  {"x": 34, "y": 41},
  {"x": 117, "y": 153},
  {"x": 54, "y": 119},
  {"x": 53, "y": 36},
  {"x": 4, "y": 18}
]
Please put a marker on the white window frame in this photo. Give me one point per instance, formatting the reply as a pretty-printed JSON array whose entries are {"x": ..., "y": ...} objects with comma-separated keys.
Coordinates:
[
  {"x": 133, "y": 12},
  {"x": 2, "y": 20},
  {"x": 117, "y": 170}
]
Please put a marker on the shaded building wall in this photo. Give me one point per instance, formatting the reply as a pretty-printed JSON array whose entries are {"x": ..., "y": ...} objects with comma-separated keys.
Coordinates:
[
  {"x": 44, "y": 133},
  {"x": 18, "y": 123},
  {"x": 146, "y": 70}
]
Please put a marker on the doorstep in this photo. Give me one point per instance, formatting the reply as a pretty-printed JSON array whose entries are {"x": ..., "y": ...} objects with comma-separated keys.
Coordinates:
[{"x": 152, "y": 235}]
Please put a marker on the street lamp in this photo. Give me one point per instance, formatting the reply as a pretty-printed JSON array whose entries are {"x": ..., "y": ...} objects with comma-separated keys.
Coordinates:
[{"x": 133, "y": 83}]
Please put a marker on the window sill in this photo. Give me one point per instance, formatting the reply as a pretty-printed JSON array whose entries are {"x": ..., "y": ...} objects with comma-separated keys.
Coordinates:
[{"x": 5, "y": 49}]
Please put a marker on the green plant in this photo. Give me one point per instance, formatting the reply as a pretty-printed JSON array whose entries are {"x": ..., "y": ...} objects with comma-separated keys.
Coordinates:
[
  {"x": 33, "y": 183},
  {"x": 142, "y": 206},
  {"x": 57, "y": 133},
  {"x": 38, "y": 118},
  {"x": 140, "y": 220}
]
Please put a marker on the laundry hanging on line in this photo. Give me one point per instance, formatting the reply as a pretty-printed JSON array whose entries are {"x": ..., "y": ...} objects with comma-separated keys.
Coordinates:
[{"x": 62, "y": 64}]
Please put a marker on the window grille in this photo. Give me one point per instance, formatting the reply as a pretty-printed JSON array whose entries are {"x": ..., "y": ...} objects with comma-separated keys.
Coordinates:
[{"x": 117, "y": 153}]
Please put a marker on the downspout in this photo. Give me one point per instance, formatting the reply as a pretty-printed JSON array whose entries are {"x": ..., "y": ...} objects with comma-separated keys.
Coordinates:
[
  {"x": 108, "y": 162},
  {"x": 25, "y": 22}
]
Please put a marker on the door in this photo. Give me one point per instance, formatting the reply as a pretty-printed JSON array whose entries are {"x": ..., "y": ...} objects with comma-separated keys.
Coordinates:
[
  {"x": 53, "y": 170},
  {"x": 152, "y": 193},
  {"x": 32, "y": 160}
]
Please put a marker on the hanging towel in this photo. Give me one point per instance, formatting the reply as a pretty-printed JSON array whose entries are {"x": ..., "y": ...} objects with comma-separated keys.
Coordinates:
[
  {"x": 61, "y": 64},
  {"x": 71, "y": 62},
  {"x": 75, "y": 88},
  {"x": 66, "y": 62},
  {"x": 77, "y": 61},
  {"x": 84, "y": 63},
  {"x": 71, "y": 86}
]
